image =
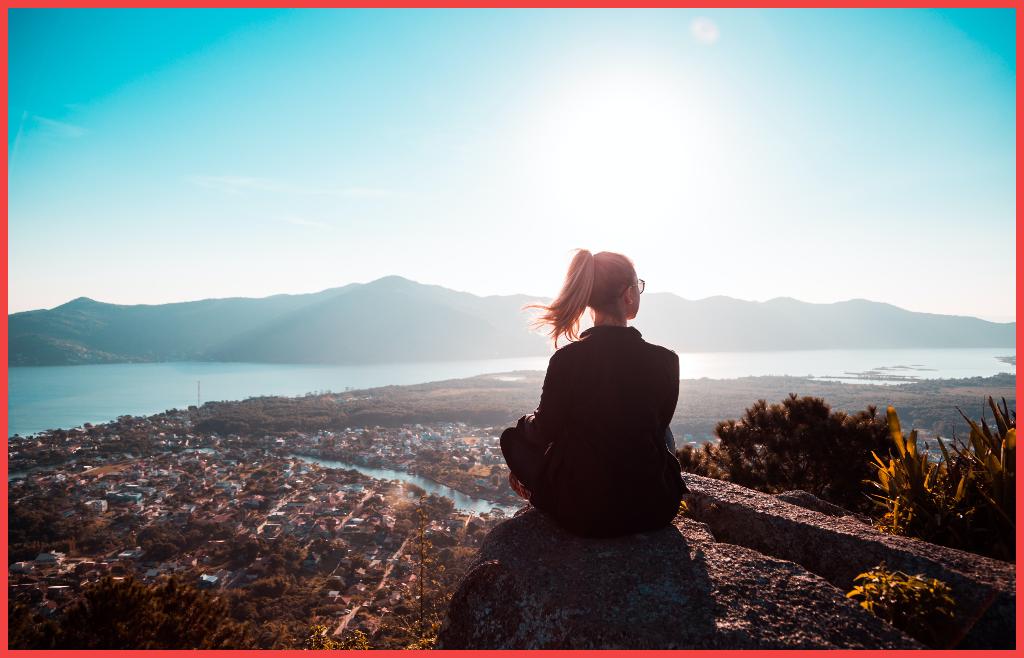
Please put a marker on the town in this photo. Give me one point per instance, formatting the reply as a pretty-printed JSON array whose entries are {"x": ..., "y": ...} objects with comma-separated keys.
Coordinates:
[{"x": 288, "y": 542}]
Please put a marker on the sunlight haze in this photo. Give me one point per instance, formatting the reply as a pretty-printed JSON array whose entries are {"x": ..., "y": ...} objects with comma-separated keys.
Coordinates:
[{"x": 172, "y": 155}]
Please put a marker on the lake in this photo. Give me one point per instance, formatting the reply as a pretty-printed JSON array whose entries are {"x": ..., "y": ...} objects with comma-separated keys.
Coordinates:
[{"x": 47, "y": 397}]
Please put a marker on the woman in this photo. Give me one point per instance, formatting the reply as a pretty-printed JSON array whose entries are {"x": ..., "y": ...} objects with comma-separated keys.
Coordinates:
[{"x": 595, "y": 453}]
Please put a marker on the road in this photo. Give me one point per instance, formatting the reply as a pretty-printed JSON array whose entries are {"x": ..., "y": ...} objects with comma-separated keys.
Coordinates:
[
  {"x": 392, "y": 561},
  {"x": 355, "y": 510}
]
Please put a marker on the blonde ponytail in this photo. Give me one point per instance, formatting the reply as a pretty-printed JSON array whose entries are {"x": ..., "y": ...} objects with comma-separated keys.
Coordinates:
[{"x": 591, "y": 281}]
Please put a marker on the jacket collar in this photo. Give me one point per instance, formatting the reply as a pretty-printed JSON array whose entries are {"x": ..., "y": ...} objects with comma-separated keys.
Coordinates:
[{"x": 612, "y": 330}]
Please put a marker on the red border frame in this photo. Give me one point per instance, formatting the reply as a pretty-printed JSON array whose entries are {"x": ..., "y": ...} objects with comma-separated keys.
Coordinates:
[{"x": 1018, "y": 5}]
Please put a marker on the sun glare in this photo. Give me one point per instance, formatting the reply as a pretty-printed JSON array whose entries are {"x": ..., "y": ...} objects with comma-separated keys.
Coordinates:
[{"x": 621, "y": 143}]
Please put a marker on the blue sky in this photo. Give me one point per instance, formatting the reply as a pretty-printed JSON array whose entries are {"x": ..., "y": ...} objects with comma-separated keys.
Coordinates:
[{"x": 168, "y": 155}]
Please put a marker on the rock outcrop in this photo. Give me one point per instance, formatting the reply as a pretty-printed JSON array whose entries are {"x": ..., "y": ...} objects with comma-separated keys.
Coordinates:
[
  {"x": 838, "y": 548},
  {"x": 534, "y": 586},
  {"x": 810, "y": 501},
  {"x": 744, "y": 570}
]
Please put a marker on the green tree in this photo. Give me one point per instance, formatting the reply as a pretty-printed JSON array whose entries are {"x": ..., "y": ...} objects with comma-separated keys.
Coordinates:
[{"x": 800, "y": 443}]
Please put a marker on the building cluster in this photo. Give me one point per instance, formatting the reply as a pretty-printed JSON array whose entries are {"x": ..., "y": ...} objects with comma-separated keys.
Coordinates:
[{"x": 355, "y": 533}]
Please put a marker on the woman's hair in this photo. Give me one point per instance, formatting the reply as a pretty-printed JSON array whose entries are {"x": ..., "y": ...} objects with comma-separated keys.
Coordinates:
[{"x": 593, "y": 280}]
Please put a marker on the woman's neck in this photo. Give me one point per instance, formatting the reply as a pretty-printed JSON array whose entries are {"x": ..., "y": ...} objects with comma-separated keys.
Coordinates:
[{"x": 601, "y": 320}]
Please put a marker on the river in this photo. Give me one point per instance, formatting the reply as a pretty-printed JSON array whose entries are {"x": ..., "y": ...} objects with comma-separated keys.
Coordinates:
[{"x": 462, "y": 501}]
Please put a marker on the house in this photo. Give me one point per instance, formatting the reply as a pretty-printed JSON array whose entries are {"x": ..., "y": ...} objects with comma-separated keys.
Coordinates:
[
  {"x": 123, "y": 497},
  {"x": 50, "y": 558},
  {"x": 85, "y": 566},
  {"x": 229, "y": 487},
  {"x": 131, "y": 554},
  {"x": 256, "y": 502},
  {"x": 56, "y": 592},
  {"x": 208, "y": 581},
  {"x": 97, "y": 506}
]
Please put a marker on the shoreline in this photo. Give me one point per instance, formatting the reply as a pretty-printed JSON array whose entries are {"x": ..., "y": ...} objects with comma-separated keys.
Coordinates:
[
  {"x": 518, "y": 381},
  {"x": 1009, "y": 359}
]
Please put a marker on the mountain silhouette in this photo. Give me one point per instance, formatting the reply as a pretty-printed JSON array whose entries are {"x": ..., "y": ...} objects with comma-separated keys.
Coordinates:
[{"x": 394, "y": 319}]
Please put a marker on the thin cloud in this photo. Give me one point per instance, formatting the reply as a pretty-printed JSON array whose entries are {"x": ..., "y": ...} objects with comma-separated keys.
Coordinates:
[
  {"x": 230, "y": 184},
  {"x": 59, "y": 128},
  {"x": 364, "y": 192},
  {"x": 13, "y": 153},
  {"x": 310, "y": 223},
  {"x": 34, "y": 123},
  {"x": 241, "y": 184},
  {"x": 704, "y": 30}
]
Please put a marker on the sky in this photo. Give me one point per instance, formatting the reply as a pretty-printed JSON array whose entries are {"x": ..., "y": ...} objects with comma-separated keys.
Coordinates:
[{"x": 169, "y": 155}]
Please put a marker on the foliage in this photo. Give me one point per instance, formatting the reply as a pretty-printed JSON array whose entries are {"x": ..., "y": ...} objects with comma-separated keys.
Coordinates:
[
  {"x": 126, "y": 614},
  {"x": 707, "y": 460},
  {"x": 355, "y": 640},
  {"x": 430, "y": 596},
  {"x": 989, "y": 462},
  {"x": 915, "y": 491},
  {"x": 428, "y": 618},
  {"x": 319, "y": 638},
  {"x": 27, "y": 630},
  {"x": 799, "y": 443},
  {"x": 917, "y": 605},
  {"x": 52, "y": 519},
  {"x": 963, "y": 500}
]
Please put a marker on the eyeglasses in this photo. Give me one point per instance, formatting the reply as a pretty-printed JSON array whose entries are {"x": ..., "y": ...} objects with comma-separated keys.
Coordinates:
[{"x": 639, "y": 286}]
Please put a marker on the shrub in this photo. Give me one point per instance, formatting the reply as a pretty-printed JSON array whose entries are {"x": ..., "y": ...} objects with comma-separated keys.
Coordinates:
[
  {"x": 915, "y": 494},
  {"x": 126, "y": 614},
  {"x": 705, "y": 460},
  {"x": 799, "y": 443},
  {"x": 919, "y": 606},
  {"x": 965, "y": 500},
  {"x": 988, "y": 462},
  {"x": 319, "y": 638},
  {"x": 355, "y": 640}
]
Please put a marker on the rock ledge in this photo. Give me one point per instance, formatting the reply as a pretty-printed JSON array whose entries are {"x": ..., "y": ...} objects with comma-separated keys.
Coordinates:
[{"x": 534, "y": 586}]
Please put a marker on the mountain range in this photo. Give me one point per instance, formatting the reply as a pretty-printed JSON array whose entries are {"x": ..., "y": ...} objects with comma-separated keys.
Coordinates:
[{"x": 396, "y": 320}]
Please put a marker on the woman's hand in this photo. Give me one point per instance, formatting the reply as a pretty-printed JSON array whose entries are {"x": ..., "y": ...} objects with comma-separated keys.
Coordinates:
[{"x": 518, "y": 487}]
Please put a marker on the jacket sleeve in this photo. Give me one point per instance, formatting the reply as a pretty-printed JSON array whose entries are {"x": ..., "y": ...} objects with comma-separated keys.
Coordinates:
[
  {"x": 551, "y": 415},
  {"x": 668, "y": 408}
]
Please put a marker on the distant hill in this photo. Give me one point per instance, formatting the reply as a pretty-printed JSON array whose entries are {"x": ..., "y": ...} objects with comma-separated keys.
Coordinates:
[
  {"x": 394, "y": 320},
  {"x": 733, "y": 325}
]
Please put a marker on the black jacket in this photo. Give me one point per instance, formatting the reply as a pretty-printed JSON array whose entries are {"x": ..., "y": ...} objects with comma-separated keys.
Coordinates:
[{"x": 593, "y": 454}]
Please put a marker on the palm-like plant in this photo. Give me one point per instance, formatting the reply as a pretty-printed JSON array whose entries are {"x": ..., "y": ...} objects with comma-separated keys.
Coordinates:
[
  {"x": 914, "y": 492},
  {"x": 966, "y": 500},
  {"x": 990, "y": 464}
]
